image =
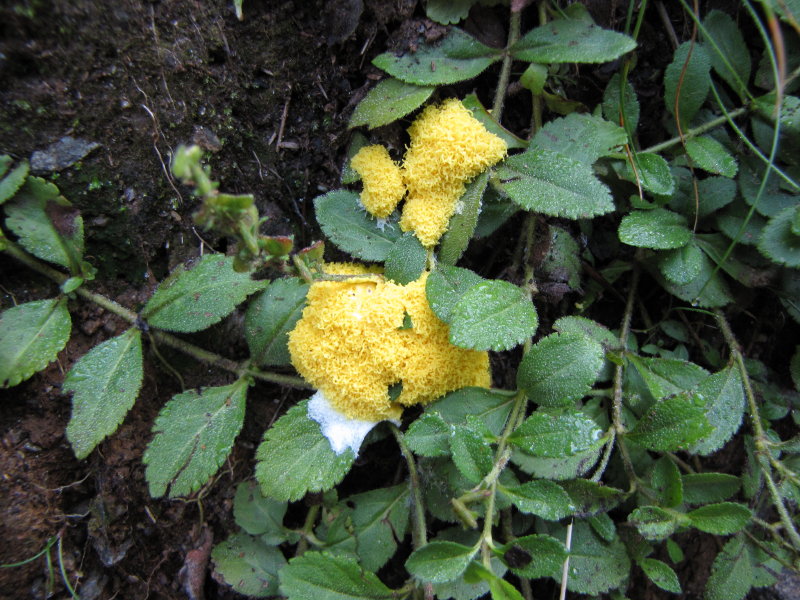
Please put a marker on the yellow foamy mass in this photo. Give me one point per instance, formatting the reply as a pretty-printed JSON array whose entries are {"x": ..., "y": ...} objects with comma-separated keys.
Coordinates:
[
  {"x": 382, "y": 179},
  {"x": 351, "y": 344}
]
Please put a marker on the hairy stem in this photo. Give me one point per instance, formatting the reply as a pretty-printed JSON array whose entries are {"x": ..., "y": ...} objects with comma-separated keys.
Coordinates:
[
  {"x": 419, "y": 533},
  {"x": 505, "y": 70}
]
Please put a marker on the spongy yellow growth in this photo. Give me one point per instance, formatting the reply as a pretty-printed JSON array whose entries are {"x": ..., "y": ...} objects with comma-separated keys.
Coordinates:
[
  {"x": 382, "y": 179},
  {"x": 350, "y": 344},
  {"x": 448, "y": 148}
]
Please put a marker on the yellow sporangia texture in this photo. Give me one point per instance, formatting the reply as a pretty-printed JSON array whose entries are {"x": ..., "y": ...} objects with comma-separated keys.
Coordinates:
[
  {"x": 382, "y": 179},
  {"x": 350, "y": 344},
  {"x": 448, "y": 148}
]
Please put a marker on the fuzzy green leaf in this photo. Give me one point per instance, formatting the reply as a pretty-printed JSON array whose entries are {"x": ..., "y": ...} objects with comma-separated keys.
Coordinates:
[
  {"x": 259, "y": 515},
  {"x": 548, "y": 182},
  {"x": 448, "y": 12},
  {"x": 380, "y": 520},
  {"x": 406, "y": 260},
  {"x": 31, "y": 336},
  {"x": 446, "y": 286},
  {"x": 660, "y": 229},
  {"x": 689, "y": 85},
  {"x": 439, "y": 562},
  {"x": 296, "y": 458},
  {"x": 556, "y": 434},
  {"x": 665, "y": 479},
  {"x": 732, "y": 573},
  {"x": 248, "y": 565},
  {"x": 492, "y": 315},
  {"x": 655, "y": 523},
  {"x": 534, "y": 556},
  {"x": 540, "y": 497},
  {"x": 491, "y": 407},
  {"x": 322, "y": 576},
  {"x": 472, "y": 456},
  {"x": 704, "y": 488},
  {"x": 47, "y": 224},
  {"x": 711, "y": 156},
  {"x": 582, "y": 137},
  {"x": 724, "y": 518},
  {"x": 13, "y": 181},
  {"x": 462, "y": 225},
  {"x": 388, "y": 101},
  {"x": 778, "y": 241},
  {"x": 347, "y": 224},
  {"x": 269, "y": 319},
  {"x": 194, "y": 434},
  {"x": 560, "y": 368},
  {"x": 590, "y": 497},
  {"x": 668, "y": 376},
  {"x": 588, "y": 328},
  {"x": 674, "y": 423},
  {"x": 661, "y": 574},
  {"x": 772, "y": 200},
  {"x": 725, "y": 403},
  {"x": 731, "y": 57},
  {"x": 105, "y": 382},
  {"x": 456, "y": 57},
  {"x": 429, "y": 435},
  {"x": 195, "y": 297},
  {"x": 681, "y": 265},
  {"x": 571, "y": 40},
  {"x": 652, "y": 172},
  {"x": 708, "y": 289},
  {"x": 613, "y": 108}
]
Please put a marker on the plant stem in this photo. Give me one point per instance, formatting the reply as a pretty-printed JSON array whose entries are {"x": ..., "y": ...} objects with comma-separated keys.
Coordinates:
[
  {"x": 419, "y": 533},
  {"x": 306, "y": 532},
  {"x": 505, "y": 70},
  {"x": 165, "y": 338},
  {"x": 699, "y": 130}
]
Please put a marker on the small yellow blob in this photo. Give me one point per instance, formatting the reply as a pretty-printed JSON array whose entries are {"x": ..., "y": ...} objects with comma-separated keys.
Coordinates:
[
  {"x": 351, "y": 344},
  {"x": 382, "y": 179}
]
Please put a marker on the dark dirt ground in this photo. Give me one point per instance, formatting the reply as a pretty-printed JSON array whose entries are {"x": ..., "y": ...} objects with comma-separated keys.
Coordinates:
[{"x": 269, "y": 98}]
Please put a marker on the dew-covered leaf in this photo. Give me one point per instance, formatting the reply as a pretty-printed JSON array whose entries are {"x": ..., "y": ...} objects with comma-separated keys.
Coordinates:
[
  {"x": 681, "y": 265},
  {"x": 248, "y": 565},
  {"x": 655, "y": 523},
  {"x": 705, "y": 488},
  {"x": 708, "y": 154},
  {"x": 586, "y": 327},
  {"x": 492, "y": 315},
  {"x": 708, "y": 289},
  {"x": 724, "y": 399},
  {"x": 688, "y": 85},
  {"x": 724, "y": 518},
  {"x": 548, "y": 182},
  {"x": 31, "y": 336},
  {"x": 345, "y": 222},
  {"x": 673, "y": 423},
  {"x": 195, "y": 297},
  {"x": 194, "y": 434},
  {"x": 388, "y": 101},
  {"x": 558, "y": 469},
  {"x": 380, "y": 520},
  {"x": 462, "y": 224},
  {"x": 105, "y": 383},
  {"x": 323, "y": 576},
  {"x": 456, "y": 57},
  {"x": 661, "y": 574},
  {"x": 731, "y": 56},
  {"x": 439, "y": 562},
  {"x": 540, "y": 497},
  {"x": 778, "y": 241},
  {"x": 571, "y": 40},
  {"x": 534, "y": 556},
  {"x": 472, "y": 456},
  {"x": 772, "y": 200},
  {"x": 446, "y": 286},
  {"x": 660, "y": 229},
  {"x": 560, "y": 368},
  {"x": 668, "y": 376},
  {"x": 13, "y": 181},
  {"x": 615, "y": 103},
  {"x": 259, "y": 515},
  {"x": 732, "y": 573},
  {"x": 406, "y": 260},
  {"x": 269, "y": 319},
  {"x": 665, "y": 479},
  {"x": 429, "y": 435},
  {"x": 491, "y": 407},
  {"x": 582, "y": 137},
  {"x": 651, "y": 171},
  {"x": 295, "y": 458},
  {"x": 591, "y": 497},
  {"x": 554, "y": 434}
]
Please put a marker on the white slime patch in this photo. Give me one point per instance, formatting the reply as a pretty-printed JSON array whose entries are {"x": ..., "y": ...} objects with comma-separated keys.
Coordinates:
[{"x": 342, "y": 433}]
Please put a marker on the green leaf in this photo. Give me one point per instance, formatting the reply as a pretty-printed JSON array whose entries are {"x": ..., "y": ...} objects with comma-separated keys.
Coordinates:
[
  {"x": 778, "y": 242},
  {"x": 560, "y": 369},
  {"x": 731, "y": 57},
  {"x": 540, "y": 497},
  {"x": 724, "y": 518},
  {"x": 708, "y": 289},
  {"x": 711, "y": 156},
  {"x": 269, "y": 319},
  {"x": 345, "y": 222},
  {"x": 248, "y": 565},
  {"x": 666, "y": 481},
  {"x": 456, "y": 57},
  {"x": 259, "y": 515},
  {"x": 652, "y": 172},
  {"x": 556, "y": 434},
  {"x": 429, "y": 435},
  {"x": 674, "y": 423},
  {"x": 588, "y": 328},
  {"x": 31, "y": 336},
  {"x": 471, "y": 455},
  {"x": 582, "y": 137},
  {"x": 661, "y": 574},
  {"x": 674, "y": 551},
  {"x": 591, "y": 497},
  {"x": 660, "y": 229},
  {"x": 704, "y": 488},
  {"x": 571, "y": 40},
  {"x": 655, "y": 523},
  {"x": 491, "y": 407},
  {"x": 462, "y": 225},
  {"x": 105, "y": 382},
  {"x": 714, "y": 193},
  {"x": 13, "y": 181},
  {"x": 687, "y": 81},
  {"x": 492, "y": 125},
  {"x": 668, "y": 376},
  {"x": 604, "y": 526},
  {"x": 380, "y": 520},
  {"x": 725, "y": 403},
  {"x": 406, "y": 260},
  {"x": 534, "y": 78},
  {"x": 439, "y": 562},
  {"x": 681, "y": 265},
  {"x": 195, "y": 297},
  {"x": 322, "y": 576},
  {"x": 613, "y": 107},
  {"x": 534, "y": 556},
  {"x": 194, "y": 434},
  {"x": 445, "y": 287},
  {"x": 772, "y": 200},
  {"x": 553, "y": 184},
  {"x": 388, "y": 101},
  {"x": 357, "y": 141},
  {"x": 492, "y": 315},
  {"x": 47, "y": 224},
  {"x": 296, "y": 458},
  {"x": 447, "y": 12},
  {"x": 732, "y": 573}
]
